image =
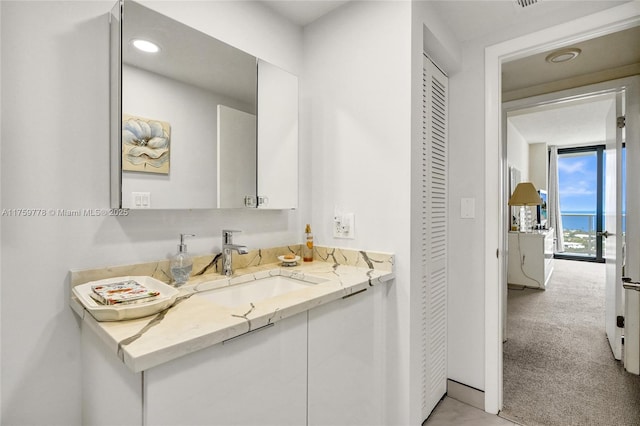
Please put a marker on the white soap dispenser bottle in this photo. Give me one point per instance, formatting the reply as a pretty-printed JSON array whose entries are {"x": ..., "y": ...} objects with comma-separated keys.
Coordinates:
[{"x": 181, "y": 264}]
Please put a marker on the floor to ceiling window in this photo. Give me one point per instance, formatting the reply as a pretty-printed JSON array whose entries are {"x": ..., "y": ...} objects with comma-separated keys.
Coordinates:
[{"x": 580, "y": 180}]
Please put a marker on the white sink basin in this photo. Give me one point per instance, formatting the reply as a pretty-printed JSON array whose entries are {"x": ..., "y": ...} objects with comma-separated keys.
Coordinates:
[{"x": 257, "y": 290}]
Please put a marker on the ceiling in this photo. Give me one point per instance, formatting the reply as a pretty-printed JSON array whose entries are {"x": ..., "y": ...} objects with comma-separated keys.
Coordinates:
[
  {"x": 614, "y": 50},
  {"x": 467, "y": 19},
  {"x": 186, "y": 53},
  {"x": 472, "y": 19},
  {"x": 578, "y": 123},
  {"x": 303, "y": 12},
  {"x": 581, "y": 122}
]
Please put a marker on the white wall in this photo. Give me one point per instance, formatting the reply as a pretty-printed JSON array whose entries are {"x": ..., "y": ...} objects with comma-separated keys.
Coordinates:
[
  {"x": 538, "y": 165},
  {"x": 517, "y": 151},
  {"x": 356, "y": 115},
  {"x": 55, "y": 126},
  {"x": 466, "y": 237}
]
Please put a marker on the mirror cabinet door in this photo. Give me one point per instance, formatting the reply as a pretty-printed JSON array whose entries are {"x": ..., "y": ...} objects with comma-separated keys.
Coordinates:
[
  {"x": 186, "y": 119},
  {"x": 115, "y": 113},
  {"x": 277, "y": 138}
]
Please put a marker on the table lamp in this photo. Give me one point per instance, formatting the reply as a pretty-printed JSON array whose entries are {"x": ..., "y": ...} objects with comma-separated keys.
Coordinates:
[{"x": 525, "y": 195}]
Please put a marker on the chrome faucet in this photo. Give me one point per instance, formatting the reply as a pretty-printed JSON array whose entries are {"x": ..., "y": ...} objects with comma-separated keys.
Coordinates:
[{"x": 227, "y": 250}]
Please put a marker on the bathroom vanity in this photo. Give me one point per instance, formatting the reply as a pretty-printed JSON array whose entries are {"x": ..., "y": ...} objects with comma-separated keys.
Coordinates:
[
  {"x": 204, "y": 125},
  {"x": 313, "y": 356}
]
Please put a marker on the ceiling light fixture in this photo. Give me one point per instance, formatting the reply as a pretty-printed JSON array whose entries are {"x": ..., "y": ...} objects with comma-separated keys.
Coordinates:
[
  {"x": 563, "y": 55},
  {"x": 145, "y": 46}
]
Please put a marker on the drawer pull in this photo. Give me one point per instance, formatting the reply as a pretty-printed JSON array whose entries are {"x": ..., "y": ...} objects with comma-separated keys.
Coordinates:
[
  {"x": 248, "y": 332},
  {"x": 353, "y": 294}
]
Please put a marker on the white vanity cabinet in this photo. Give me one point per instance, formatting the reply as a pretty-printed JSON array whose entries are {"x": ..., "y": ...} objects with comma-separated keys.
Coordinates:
[
  {"x": 346, "y": 359},
  {"x": 321, "y": 366},
  {"x": 530, "y": 258},
  {"x": 259, "y": 378},
  {"x": 256, "y": 378}
]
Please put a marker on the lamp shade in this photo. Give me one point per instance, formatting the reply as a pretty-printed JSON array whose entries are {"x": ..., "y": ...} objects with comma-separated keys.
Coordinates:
[{"x": 525, "y": 195}]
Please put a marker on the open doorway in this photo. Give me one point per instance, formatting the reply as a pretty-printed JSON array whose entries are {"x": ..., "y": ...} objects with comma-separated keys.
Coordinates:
[
  {"x": 568, "y": 157},
  {"x": 538, "y": 361},
  {"x": 621, "y": 18}
]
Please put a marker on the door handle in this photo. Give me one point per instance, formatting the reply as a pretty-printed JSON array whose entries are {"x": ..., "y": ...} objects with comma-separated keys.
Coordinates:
[
  {"x": 630, "y": 285},
  {"x": 603, "y": 234}
]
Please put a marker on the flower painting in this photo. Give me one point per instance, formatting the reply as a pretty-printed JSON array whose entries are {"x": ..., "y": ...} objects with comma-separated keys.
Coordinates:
[{"x": 145, "y": 145}]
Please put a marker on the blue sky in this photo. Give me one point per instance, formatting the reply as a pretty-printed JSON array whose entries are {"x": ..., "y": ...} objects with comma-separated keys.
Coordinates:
[{"x": 577, "y": 176}]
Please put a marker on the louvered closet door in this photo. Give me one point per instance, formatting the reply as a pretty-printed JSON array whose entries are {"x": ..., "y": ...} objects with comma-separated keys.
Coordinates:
[{"x": 434, "y": 235}]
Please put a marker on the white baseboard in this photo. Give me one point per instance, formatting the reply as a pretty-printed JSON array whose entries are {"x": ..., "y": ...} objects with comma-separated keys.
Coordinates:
[{"x": 463, "y": 393}]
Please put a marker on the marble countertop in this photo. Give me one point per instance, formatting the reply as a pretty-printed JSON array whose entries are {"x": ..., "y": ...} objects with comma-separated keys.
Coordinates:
[{"x": 193, "y": 322}]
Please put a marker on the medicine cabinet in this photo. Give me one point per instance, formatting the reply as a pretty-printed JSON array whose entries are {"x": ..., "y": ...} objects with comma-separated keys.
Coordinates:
[{"x": 198, "y": 124}]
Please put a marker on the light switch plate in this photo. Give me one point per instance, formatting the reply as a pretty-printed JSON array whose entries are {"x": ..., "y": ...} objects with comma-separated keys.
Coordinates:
[
  {"x": 141, "y": 200},
  {"x": 467, "y": 208}
]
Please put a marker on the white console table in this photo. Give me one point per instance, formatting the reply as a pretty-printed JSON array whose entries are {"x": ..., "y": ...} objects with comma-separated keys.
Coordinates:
[{"x": 530, "y": 258}]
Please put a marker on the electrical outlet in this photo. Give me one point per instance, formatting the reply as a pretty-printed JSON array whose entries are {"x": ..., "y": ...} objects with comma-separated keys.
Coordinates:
[{"x": 344, "y": 226}]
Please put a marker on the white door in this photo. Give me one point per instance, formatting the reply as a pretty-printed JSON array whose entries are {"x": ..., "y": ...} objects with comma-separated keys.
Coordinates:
[
  {"x": 614, "y": 306},
  {"x": 433, "y": 236},
  {"x": 632, "y": 264},
  {"x": 236, "y": 149}
]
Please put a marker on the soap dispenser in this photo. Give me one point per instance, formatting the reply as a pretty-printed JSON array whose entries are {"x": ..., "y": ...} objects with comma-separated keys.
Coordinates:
[
  {"x": 181, "y": 264},
  {"x": 307, "y": 247}
]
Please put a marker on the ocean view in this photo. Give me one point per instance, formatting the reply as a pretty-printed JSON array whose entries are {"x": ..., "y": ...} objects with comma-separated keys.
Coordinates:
[{"x": 579, "y": 220}]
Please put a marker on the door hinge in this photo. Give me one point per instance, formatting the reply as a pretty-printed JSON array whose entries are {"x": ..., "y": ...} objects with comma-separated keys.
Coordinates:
[
  {"x": 621, "y": 121},
  {"x": 250, "y": 201},
  {"x": 620, "y": 321}
]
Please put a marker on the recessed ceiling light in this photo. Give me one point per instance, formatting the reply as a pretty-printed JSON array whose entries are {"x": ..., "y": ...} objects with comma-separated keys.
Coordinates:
[
  {"x": 145, "y": 45},
  {"x": 563, "y": 55}
]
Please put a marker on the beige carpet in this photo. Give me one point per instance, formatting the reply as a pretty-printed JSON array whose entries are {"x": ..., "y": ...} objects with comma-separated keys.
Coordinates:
[{"x": 558, "y": 367}]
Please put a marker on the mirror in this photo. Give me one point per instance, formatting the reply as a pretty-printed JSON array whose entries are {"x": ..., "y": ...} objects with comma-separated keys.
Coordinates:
[{"x": 195, "y": 127}]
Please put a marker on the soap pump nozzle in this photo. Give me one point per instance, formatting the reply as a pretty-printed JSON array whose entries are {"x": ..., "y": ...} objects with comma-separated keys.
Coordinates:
[{"x": 182, "y": 247}]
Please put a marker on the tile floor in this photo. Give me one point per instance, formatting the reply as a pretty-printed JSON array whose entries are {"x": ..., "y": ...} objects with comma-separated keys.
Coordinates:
[{"x": 451, "y": 412}]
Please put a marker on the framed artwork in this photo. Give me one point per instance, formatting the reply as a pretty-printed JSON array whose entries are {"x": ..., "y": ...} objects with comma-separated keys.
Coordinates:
[{"x": 145, "y": 145}]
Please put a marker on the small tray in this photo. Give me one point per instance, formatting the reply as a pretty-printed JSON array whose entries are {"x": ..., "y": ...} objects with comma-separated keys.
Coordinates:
[
  {"x": 289, "y": 262},
  {"x": 100, "y": 312}
]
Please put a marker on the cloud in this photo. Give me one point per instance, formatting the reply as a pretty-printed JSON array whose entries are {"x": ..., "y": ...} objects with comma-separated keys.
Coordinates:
[
  {"x": 578, "y": 189},
  {"x": 572, "y": 166}
]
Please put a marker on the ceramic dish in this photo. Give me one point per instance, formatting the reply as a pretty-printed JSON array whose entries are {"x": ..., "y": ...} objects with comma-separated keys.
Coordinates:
[
  {"x": 289, "y": 262},
  {"x": 100, "y": 312}
]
